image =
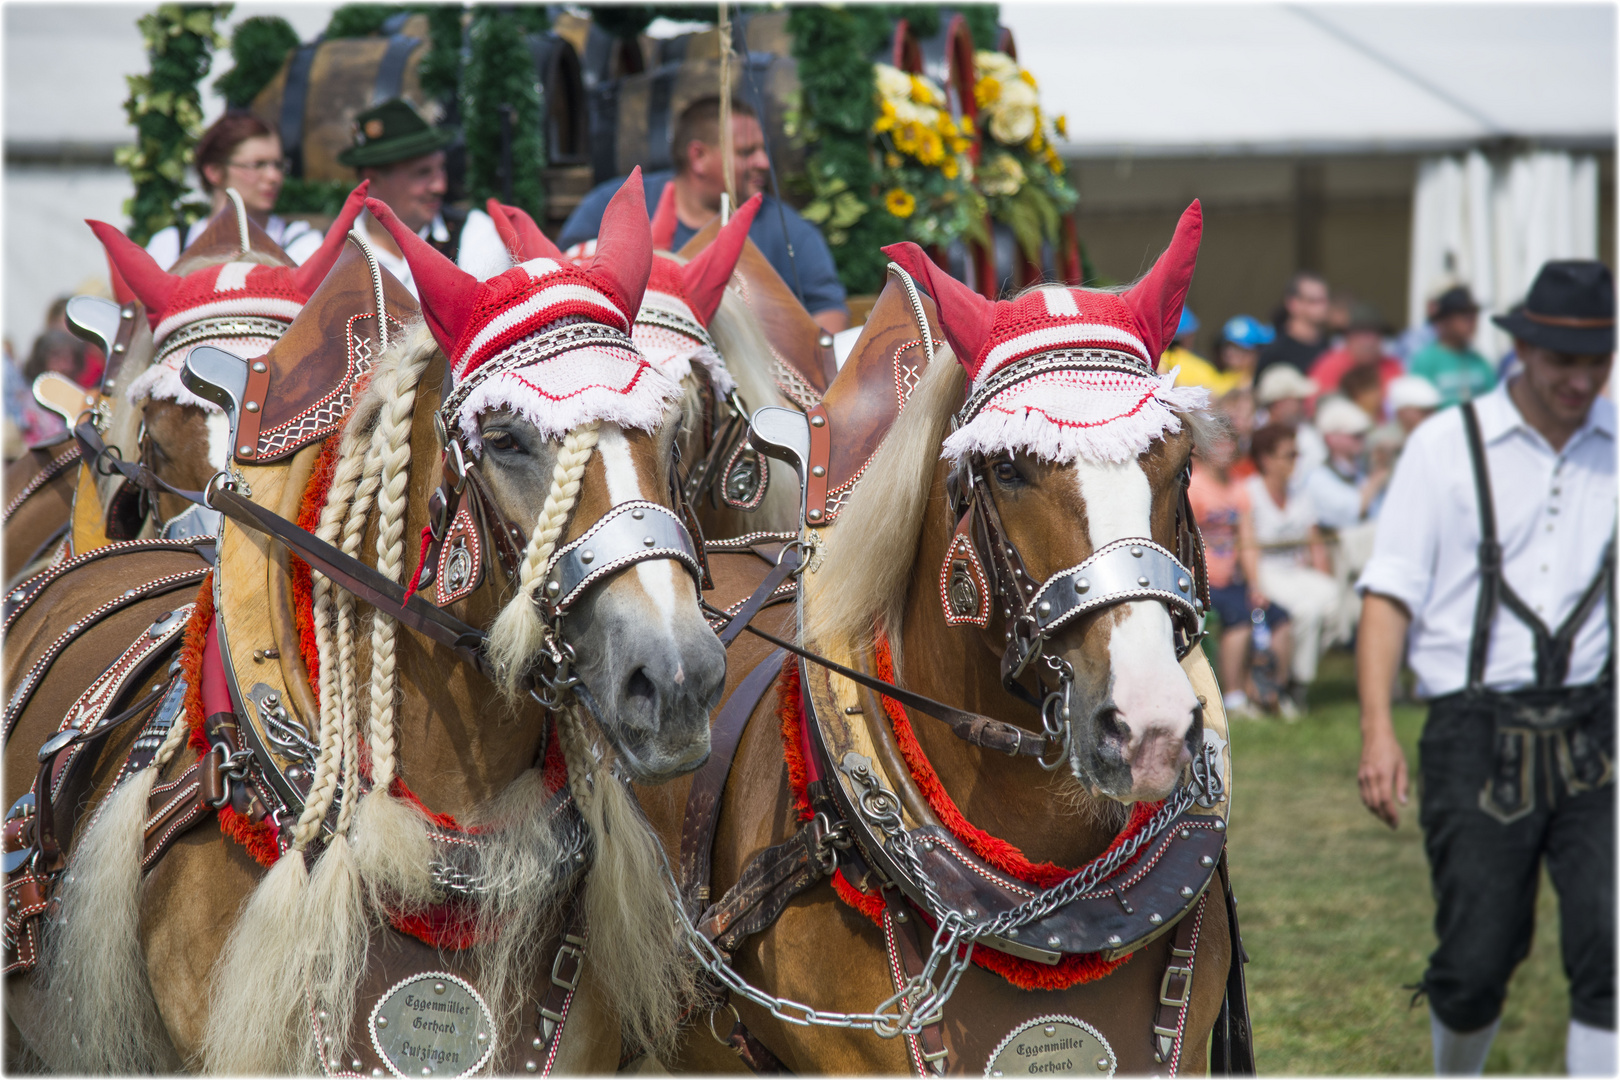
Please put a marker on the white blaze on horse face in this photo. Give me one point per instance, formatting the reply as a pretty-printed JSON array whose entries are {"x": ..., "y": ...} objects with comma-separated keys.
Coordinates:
[
  {"x": 1154, "y": 698},
  {"x": 219, "y": 439},
  {"x": 657, "y": 576}
]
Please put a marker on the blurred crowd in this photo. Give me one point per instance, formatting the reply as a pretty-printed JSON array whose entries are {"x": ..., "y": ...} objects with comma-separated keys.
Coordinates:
[
  {"x": 54, "y": 350},
  {"x": 1319, "y": 401}
]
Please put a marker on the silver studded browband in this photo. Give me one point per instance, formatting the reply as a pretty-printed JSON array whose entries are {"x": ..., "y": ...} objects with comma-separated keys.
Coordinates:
[
  {"x": 533, "y": 350},
  {"x": 630, "y": 533},
  {"x": 229, "y": 326},
  {"x": 1129, "y": 569}
]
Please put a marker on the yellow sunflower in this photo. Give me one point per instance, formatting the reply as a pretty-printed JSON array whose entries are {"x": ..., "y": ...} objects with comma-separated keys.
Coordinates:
[{"x": 899, "y": 203}]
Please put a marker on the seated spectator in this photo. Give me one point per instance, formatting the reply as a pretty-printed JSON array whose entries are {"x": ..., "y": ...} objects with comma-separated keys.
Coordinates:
[
  {"x": 1340, "y": 488},
  {"x": 1294, "y": 570},
  {"x": 1450, "y": 363},
  {"x": 1301, "y": 326},
  {"x": 1194, "y": 370},
  {"x": 1283, "y": 394},
  {"x": 58, "y": 351},
  {"x": 1220, "y": 504},
  {"x": 1237, "y": 350},
  {"x": 1412, "y": 400},
  {"x": 1363, "y": 347},
  {"x": 94, "y": 363},
  {"x": 243, "y": 152},
  {"x": 1363, "y": 387}
]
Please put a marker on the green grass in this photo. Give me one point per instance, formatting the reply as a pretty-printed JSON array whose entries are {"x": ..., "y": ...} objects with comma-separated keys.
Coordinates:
[{"x": 1336, "y": 912}]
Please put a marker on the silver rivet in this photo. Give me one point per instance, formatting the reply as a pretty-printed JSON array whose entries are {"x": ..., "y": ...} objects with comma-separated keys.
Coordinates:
[
  {"x": 119, "y": 347},
  {"x": 355, "y": 1064},
  {"x": 1186, "y": 892},
  {"x": 258, "y": 366},
  {"x": 1136, "y": 551},
  {"x": 579, "y": 856},
  {"x": 1102, "y": 1064},
  {"x": 1155, "y": 918},
  {"x": 928, "y": 845},
  {"x": 815, "y": 515},
  {"x": 972, "y": 913},
  {"x": 1115, "y": 939},
  {"x": 587, "y": 556},
  {"x": 825, "y": 340},
  {"x": 1013, "y": 932},
  {"x": 321, "y": 1015},
  {"x": 649, "y": 541},
  {"x": 438, "y": 988},
  {"x": 553, "y": 588},
  {"x": 1050, "y": 1029},
  {"x": 1142, "y": 581},
  {"x": 1053, "y": 941},
  {"x": 128, "y": 313},
  {"x": 531, "y": 1066},
  {"x": 1182, "y": 583},
  {"x": 1186, "y": 834},
  {"x": 818, "y": 471},
  {"x": 818, "y": 421},
  {"x": 638, "y": 514},
  {"x": 537, "y": 1043},
  {"x": 326, "y": 1040},
  {"x": 244, "y": 451},
  {"x": 382, "y": 1021},
  {"x": 427, "y": 1070},
  {"x": 252, "y": 406},
  {"x": 997, "y": 1072},
  {"x": 482, "y": 1036},
  {"x": 1043, "y": 608},
  {"x": 1220, "y": 824},
  {"x": 1207, "y": 860},
  {"x": 376, "y": 1072},
  {"x": 129, "y": 592},
  {"x": 1081, "y": 585},
  {"x": 900, "y": 916}
]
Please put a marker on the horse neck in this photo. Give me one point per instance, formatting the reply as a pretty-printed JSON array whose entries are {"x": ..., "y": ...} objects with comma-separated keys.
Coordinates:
[
  {"x": 1046, "y": 815},
  {"x": 458, "y": 744}
]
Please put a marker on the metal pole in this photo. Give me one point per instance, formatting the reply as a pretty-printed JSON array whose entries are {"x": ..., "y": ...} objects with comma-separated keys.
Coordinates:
[{"x": 727, "y": 143}]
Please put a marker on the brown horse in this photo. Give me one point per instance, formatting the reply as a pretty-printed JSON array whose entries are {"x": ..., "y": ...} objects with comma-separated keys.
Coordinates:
[
  {"x": 213, "y": 963},
  {"x": 914, "y": 580},
  {"x": 39, "y": 499}
]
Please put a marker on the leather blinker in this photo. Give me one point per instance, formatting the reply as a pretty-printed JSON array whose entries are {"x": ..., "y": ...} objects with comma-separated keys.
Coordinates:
[
  {"x": 964, "y": 587},
  {"x": 460, "y": 566}
]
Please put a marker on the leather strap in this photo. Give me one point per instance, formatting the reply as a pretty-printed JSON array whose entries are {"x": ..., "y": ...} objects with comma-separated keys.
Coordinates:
[
  {"x": 787, "y": 564},
  {"x": 254, "y": 396},
  {"x": 50, "y": 471},
  {"x": 1175, "y": 988},
  {"x": 703, "y": 800},
  {"x": 771, "y": 879},
  {"x": 900, "y": 930},
  {"x": 101, "y": 459},
  {"x": 754, "y": 1054},
  {"x": 815, "y": 483},
  {"x": 1231, "y": 1051}
]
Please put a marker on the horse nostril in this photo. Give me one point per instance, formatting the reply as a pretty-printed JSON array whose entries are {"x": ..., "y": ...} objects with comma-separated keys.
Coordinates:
[
  {"x": 639, "y": 686},
  {"x": 1111, "y": 725}
]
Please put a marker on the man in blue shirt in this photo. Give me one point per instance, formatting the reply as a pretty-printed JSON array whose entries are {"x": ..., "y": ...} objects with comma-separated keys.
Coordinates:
[{"x": 699, "y": 180}]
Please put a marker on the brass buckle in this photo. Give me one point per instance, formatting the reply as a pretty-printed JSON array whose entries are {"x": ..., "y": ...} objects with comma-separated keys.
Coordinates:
[{"x": 1186, "y": 987}]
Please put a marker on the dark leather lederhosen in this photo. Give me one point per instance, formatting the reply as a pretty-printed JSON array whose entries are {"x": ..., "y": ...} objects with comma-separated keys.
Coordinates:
[{"x": 1547, "y": 726}]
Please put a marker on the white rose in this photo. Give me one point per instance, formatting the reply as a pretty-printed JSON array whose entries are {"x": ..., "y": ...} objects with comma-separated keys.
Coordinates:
[
  {"x": 996, "y": 65},
  {"x": 892, "y": 83},
  {"x": 1019, "y": 94},
  {"x": 1012, "y": 125}
]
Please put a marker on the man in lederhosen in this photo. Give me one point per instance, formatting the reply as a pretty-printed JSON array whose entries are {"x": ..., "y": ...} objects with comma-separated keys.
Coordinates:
[
  {"x": 1493, "y": 566},
  {"x": 403, "y": 157}
]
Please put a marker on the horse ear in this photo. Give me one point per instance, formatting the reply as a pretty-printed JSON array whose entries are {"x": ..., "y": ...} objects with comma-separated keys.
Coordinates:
[
  {"x": 520, "y": 234},
  {"x": 624, "y": 244},
  {"x": 965, "y": 316},
  {"x": 664, "y": 220},
  {"x": 1156, "y": 300},
  {"x": 448, "y": 294},
  {"x": 308, "y": 277},
  {"x": 151, "y": 285},
  {"x": 704, "y": 278}
]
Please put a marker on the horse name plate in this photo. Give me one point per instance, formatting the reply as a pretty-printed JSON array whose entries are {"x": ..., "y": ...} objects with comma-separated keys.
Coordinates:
[
  {"x": 1052, "y": 1046},
  {"x": 433, "y": 1024}
]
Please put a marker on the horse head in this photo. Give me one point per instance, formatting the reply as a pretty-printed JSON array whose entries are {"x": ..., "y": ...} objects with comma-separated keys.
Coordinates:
[
  {"x": 232, "y": 287},
  {"x": 1061, "y": 540},
  {"x": 571, "y": 430}
]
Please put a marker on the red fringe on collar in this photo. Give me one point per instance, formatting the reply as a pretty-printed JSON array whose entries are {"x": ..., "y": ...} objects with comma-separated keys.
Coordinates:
[{"x": 1074, "y": 968}]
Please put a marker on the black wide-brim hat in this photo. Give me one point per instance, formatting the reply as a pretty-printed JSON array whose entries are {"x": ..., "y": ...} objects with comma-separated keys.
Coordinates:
[{"x": 1570, "y": 309}]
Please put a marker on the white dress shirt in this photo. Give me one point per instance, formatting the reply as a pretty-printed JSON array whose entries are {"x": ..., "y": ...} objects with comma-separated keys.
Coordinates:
[
  {"x": 1555, "y": 512},
  {"x": 297, "y": 238},
  {"x": 480, "y": 253}
]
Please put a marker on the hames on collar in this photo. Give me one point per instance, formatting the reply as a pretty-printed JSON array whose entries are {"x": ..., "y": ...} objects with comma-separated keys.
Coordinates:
[{"x": 1068, "y": 373}]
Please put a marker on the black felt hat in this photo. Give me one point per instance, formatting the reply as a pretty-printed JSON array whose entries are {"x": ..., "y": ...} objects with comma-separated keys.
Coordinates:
[
  {"x": 1570, "y": 309},
  {"x": 1456, "y": 300},
  {"x": 390, "y": 132}
]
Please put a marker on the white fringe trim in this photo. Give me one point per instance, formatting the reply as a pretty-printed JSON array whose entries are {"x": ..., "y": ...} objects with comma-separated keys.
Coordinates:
[
  {"x": 643, "y": 407},
  {"x": 161, "y": 382},
  {"x": 1064, "y": 417}
]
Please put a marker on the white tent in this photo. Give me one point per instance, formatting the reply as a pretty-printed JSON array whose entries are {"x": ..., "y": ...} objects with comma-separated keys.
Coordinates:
[{"x": 1165, "y": 78}]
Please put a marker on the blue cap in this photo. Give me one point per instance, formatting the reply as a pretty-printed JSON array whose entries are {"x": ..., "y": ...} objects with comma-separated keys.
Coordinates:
[
  {"x": 1188, "y": 323},
  {"x": 1247, "y": 331}
]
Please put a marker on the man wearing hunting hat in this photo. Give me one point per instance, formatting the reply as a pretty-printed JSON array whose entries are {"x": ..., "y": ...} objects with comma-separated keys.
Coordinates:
[
  {"x": 1494, "y": 568},
  {"x": 403, "y": 157}
]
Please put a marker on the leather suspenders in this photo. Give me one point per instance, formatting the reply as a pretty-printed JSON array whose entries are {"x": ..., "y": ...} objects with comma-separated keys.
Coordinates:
[{"x": 1553, "y": 647}]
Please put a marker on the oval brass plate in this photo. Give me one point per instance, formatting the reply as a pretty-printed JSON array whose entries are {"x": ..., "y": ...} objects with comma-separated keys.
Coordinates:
[
  {"x": 1052, "y": 1046},
  {"x": 432, "y": 1025}
]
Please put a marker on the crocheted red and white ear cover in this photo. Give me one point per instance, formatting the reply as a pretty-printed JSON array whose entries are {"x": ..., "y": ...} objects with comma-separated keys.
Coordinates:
[
  {"x": 484, "y": 323},
  {"x": 1071, "y": 414}
]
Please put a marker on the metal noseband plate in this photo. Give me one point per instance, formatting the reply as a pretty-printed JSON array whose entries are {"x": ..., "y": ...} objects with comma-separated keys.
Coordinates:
[
  {"x": 630, "y": 533},
  {"x": 1130, "y": 569},
  {"x": 433, "y": 1024},
  {"x": 1052, "y": 1046}
]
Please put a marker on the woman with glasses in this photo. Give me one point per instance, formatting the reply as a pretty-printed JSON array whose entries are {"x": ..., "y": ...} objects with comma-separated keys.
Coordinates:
[{"x": 243, "y": 152}]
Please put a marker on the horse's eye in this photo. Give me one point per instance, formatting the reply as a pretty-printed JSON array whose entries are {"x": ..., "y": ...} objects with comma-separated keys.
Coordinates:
[
  {"x": 500, "y": 441},
  {"x": 1006, "y": 474}
]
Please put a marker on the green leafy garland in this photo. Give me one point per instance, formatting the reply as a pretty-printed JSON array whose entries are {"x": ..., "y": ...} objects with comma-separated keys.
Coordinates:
[
  {"x": 165, "y": 109},
  {"x": 259, "y": 46},
  {"x": 500, "y": 72}
]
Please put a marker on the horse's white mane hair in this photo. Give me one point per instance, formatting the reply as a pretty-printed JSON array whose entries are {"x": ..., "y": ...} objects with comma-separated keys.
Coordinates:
[{"x": 741, "y": 343}]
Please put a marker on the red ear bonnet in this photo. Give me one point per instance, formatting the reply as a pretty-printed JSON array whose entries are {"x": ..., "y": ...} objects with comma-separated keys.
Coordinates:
[
  {"x": 1156, "y": 300},
  {"x": 966, "y": 317},
  {"x": 703, "y": 280},
  {"x": 664, "y": 220},
  {"x": 151, "y": 285},
  {"x": 624, "y": 244},
  {"x": 520, "y": 234}
]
